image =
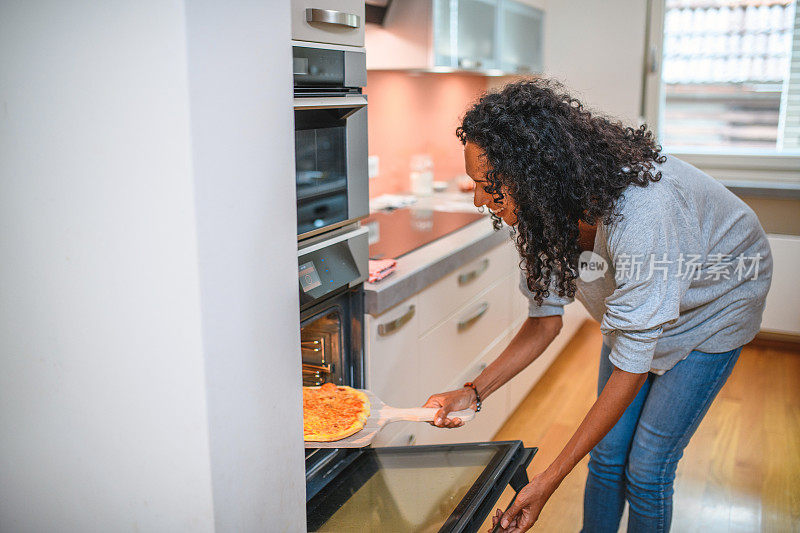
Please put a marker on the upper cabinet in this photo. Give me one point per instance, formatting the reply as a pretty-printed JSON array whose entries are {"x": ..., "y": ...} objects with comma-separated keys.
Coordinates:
[
  {"x": 465, "y": 34},
  {"x": 487, "y": 36},
  {"x": 521, "y": 38},
  {"x": 328, "y": 21}
]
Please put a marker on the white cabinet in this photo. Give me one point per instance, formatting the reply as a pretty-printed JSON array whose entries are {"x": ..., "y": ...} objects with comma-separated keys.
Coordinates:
[
  {"x": 328, "y": 21},
  {"x": 440, "y": 338},
  {"x": 393, "y": 361},
  {"x": 441, "y": 299},
  {"x": 492, "y": 415},
  {"x": 449, "y": 348}
]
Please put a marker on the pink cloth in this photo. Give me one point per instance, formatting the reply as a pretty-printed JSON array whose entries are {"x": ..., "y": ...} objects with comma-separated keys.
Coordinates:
[{"x": 380, "y": 268}]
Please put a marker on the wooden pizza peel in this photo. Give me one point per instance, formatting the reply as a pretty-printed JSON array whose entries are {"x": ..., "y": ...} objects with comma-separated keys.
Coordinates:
[{"x": 382, "y": 414}]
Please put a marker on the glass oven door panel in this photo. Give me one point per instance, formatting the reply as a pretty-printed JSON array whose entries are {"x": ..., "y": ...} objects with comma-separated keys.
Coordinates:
[
  {"x": 320, "y": 151},
  {"x": 423, "y": 488},
  {"x": 330, "y": 161},
  {"x": 319, "y": 212}
]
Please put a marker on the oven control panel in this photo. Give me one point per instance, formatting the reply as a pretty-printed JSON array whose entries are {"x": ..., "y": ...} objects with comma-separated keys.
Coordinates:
[
  {"x": 309, "y": 277},
  {"x": 331, "y": 264}
]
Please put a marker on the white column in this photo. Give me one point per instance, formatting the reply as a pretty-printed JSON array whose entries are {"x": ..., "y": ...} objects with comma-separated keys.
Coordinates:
[
  {"x": 149, "y": 330},
  {"x": 240, "y": 82}
]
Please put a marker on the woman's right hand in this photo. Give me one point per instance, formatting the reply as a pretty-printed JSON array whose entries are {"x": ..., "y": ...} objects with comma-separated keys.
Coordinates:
[{"x": 447, "y": 402}]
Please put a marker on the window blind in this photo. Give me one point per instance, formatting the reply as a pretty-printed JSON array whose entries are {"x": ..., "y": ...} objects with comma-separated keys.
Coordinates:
[{"x": 789, "y": 136}]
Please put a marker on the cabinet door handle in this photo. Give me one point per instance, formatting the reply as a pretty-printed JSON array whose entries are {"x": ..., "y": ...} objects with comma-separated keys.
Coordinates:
[
  {"x": 329, "y": 16},
  {"x": 467, "y": 277},
  {"x": 390, "y": 327},
  {"x": 468, "y": 322}
]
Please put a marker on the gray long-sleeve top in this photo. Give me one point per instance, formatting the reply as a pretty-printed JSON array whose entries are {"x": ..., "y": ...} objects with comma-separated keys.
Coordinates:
[{"x": 688, "y": 268}]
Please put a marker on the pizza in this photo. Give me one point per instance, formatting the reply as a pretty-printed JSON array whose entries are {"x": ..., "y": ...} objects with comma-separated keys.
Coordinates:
[{"x": 332, "y": 412}]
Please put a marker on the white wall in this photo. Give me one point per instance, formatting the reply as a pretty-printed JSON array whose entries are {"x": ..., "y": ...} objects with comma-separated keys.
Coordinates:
[
  {"x": 102, "y": 406},
  {"x": 148, "y": 341},
  {"x": 596, "y": 47},
  {"x": 242, "y": 127}
]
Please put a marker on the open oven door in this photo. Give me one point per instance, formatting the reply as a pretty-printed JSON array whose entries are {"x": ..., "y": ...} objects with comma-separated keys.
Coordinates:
[{"x": 419, "y": 488}]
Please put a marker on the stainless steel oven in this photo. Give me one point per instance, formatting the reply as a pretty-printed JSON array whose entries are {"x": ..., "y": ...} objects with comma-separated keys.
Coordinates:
[
  {"x": 330, "y": 114},
  {"x": 332, "y": 268},
  {"x": 331, "y": 271}
]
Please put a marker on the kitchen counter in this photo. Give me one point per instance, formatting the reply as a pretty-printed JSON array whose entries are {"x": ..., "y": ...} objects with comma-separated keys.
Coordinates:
[{"x": 427, "y": 264}]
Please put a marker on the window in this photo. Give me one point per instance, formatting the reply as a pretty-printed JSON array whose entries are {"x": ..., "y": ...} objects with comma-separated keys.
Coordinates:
[
  {"x": 726, "y": 66},
  {"x": 726, "y": 94}
]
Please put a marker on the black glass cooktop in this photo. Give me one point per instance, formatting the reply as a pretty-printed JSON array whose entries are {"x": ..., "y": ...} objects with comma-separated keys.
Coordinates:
[{"x": 396, "y": 233}]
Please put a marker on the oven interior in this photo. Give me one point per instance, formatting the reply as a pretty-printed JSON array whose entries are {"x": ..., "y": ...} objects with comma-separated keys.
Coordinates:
[
  {"x": 320, "y": 167},
  {"x": 332, "y": 351},
  {"x": 321, "y": 343}
]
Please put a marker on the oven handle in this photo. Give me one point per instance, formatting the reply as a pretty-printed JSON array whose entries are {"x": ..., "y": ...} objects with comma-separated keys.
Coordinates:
[
  {"x": 329, "y": 16},
  {"x": 519, "y": 479},
  {"x": 394, "y": 325},
  {"x": 330, "y": 102}
]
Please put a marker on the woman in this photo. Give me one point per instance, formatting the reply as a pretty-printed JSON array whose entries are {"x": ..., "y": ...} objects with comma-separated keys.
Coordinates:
[{"x": 673, "y": 266}]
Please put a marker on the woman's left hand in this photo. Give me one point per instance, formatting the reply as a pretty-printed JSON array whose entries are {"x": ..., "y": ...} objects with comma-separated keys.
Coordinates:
[{"x": 525, "y": 510}]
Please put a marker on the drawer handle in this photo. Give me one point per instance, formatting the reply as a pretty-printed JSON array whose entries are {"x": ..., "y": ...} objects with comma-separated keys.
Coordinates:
[
  {"x": 467, "y": 277},
  {"x": 329, "y": 16},
  {"x": 411, "y": 440},
  {"x": 468, "y": 322},
  {"x": 397, "y": 323}
]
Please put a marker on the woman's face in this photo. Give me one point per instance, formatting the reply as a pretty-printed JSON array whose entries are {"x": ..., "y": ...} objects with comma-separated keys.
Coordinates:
[{"x": 477, "y": 167}]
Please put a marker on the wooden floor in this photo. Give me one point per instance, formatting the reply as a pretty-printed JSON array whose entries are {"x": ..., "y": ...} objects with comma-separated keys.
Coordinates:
[{"x": 740, "y": 472}]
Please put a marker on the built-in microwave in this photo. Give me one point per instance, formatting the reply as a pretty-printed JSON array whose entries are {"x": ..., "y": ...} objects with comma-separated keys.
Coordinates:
[{"x": 330, "y": 115}]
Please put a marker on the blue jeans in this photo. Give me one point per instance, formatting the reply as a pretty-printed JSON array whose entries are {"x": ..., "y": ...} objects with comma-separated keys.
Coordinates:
[{"x": 637, "y": 459}]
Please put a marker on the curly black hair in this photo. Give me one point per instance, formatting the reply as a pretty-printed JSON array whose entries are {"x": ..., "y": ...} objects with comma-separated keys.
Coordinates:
[{"x": 561, "y": 164}]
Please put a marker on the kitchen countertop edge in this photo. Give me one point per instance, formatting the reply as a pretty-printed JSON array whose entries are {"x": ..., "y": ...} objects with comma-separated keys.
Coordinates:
[{"x": 428, "y": 264}]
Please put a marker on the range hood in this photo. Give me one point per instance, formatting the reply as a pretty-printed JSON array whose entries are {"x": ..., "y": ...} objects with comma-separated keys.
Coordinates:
[{"x": 375, "y": 11}]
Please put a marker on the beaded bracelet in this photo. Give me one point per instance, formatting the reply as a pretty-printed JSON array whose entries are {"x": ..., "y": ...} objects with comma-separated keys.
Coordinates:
[{"x": 477, "y": 396}]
